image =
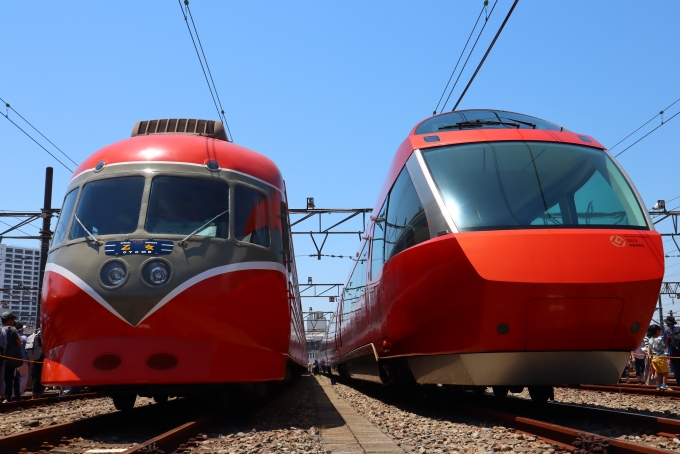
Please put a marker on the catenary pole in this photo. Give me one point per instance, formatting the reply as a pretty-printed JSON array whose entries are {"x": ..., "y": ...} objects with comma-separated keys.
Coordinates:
[{"x": 45, "y": 236}]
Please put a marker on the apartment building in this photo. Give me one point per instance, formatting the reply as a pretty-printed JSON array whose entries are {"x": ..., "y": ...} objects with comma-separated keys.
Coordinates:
[{"x": 19, "y": 275}]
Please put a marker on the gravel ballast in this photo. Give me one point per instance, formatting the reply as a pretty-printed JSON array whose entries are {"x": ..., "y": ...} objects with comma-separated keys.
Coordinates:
[
  {"x": 286, "y": 425},
  {"x": 23, "y": 420},
  {"x": 451, "y": 433}
]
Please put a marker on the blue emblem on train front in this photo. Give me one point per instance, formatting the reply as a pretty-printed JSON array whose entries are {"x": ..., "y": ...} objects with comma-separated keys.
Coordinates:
[{"x": 138, "y": 247}]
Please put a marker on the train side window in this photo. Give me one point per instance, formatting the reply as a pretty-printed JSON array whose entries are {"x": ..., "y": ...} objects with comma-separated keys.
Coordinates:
[
  {"x": 109, "y": 206},
  {"x": 356, "y": 286},
  {"x": 65, "y": 216},
  {"x": 406, "y": 221},
  {"x": 285, "y": 236},
  {"x": 251, "y": 223},
  {"x": 378, "y": 244}
]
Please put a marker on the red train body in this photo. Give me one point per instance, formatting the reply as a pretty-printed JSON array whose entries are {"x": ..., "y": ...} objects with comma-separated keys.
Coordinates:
[
  {"x": 503, "y": 251},
  {"x": 171, "y": 268}
]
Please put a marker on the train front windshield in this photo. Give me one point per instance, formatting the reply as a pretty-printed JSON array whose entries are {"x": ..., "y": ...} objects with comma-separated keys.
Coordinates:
[{"x": 520, "y": 185}]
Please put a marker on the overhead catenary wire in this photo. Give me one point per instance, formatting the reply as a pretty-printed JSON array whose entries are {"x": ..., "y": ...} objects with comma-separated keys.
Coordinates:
[
  {"x": 645, "y": 124},
  {"x": 36, "y": 130},
  {"x": 637, "y": 141},
  {"x": 6, "y": 115},
  {"x": 469, "y": 55},
  {"x": 211, "y": 83},
  {"x": 460, "y": 57},
  {"x": 505, "y": 21}
]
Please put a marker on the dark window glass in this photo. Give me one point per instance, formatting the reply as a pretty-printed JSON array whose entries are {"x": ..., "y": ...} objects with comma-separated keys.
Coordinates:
[
  {"x": 356, "y": 286},
  {"x": 285, "y": 233},
  {"x": 531, "y": 185},
  {"x": 378, "y": 252},
  {"x": 482, "y": 119},
  {"x": 251, "y": 222},
  {"x": 109, "y": 207},
  {"x": 65, "y": 216},
  {"x": 180, "y": 205},
  {"x": 406, "y": 221}
]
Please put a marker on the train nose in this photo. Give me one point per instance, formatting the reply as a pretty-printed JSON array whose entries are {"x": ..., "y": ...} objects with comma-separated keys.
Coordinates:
[
  {"x": 569, "y": 256},
  {"x": 562, "y": 289},
  {"x": 571, "y": 323}
]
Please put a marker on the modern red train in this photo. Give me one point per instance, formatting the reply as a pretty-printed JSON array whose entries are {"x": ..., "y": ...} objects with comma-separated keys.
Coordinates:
[
  {"x": 171, "y": 269},
  {"x": 503, "y": 251}
]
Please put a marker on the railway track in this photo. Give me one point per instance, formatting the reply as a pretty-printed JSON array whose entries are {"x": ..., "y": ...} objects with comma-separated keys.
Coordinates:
[
  {"x": 568, "y": 427},
  {"x": 11, "y": 406},
  {"x": 170, "y": 427},
  {"x": 630, "y": 388}
]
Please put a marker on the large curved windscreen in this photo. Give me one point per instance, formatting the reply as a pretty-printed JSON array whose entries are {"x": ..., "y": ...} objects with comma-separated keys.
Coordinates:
[
  {"x": 181, "y": 205},
  {"x": 504, "y": 185},
  {"x": 108, "y": 207}
]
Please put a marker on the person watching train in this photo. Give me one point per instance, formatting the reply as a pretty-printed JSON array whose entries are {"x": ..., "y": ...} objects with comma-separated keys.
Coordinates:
[
  {"x": 659, "y": 358},
  {"x": 22, "y": 372},
  {"x": 672, "y": 351},
  {"x": 12, "y": 353}
]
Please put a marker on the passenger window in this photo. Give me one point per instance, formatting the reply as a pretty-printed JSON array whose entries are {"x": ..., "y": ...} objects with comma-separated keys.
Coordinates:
[
  {"x": 406, "y": 221},
  {"x": 356, "y": 286},
  {"x": 251, "y": 222},
  {"x": 109, "y": 207},
  {"x": 65, "y": 216},
  {"x": 378, "y": 252},
  {"x": 285, "y": 234},
  {"x": 181, "y": 205}
]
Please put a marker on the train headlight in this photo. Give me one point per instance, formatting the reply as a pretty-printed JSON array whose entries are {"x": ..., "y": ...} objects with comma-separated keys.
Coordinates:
[
  {"x": 156, "y": 272},
  {"x": 113, "y": 273}
]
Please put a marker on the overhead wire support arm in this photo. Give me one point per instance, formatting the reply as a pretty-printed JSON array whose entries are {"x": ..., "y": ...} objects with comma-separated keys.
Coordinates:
[
  {"x": 505, "y": 21},
  {"x": 312, "y": 211}
]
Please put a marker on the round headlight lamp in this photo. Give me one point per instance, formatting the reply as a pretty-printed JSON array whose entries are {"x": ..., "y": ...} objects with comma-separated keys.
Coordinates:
[
  {"x": 156, "y": 272},
  {"x": 113, "y": 274}
]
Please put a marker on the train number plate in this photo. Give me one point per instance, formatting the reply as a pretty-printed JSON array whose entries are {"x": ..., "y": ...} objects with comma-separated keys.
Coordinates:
[{"x": 146, "y": 247}]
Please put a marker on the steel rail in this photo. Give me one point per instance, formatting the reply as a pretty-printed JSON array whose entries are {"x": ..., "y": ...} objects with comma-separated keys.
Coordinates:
[
  {"x": 173, "y": 439},
  {"x": 644, "y": 390},
  {"x": 11, "y": 406},
  {"x": 565, "y": 437}
]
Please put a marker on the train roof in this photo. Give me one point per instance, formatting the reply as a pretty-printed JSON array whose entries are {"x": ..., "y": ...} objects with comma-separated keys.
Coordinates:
[
  {"x": 460, "y": 127},
  {"x": 190, "y": 148}
]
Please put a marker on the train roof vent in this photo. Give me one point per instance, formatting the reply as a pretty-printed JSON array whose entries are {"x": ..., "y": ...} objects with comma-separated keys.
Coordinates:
[{"x": 193, "y": 126}]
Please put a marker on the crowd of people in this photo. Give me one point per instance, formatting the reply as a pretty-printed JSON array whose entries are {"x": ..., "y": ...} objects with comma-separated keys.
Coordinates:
[
  {"x": 657, "y": 355},
  {"x": 19, "y": 354},
  {"x": 317, "y": 367}
]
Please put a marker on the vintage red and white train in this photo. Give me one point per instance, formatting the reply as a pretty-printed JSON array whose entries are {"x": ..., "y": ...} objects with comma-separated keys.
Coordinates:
[
  {"x": 171, "y": 269},
  {"x": 503, "y": 251}
]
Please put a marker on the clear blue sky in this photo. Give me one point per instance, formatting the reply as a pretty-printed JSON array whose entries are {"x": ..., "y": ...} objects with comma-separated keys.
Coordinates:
[{"x": 329, "y": 90}]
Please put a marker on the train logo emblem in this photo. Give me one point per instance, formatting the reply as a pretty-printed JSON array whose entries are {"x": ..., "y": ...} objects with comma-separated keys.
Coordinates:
[{"x": 617, "y": 241}]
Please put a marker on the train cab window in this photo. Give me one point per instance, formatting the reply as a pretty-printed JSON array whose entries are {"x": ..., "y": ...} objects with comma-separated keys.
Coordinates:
[
  {"x": 251, "y": 223},
  {"x": 181, "y": 205},
  {"x": 378, "y": 244},
  {"x": 406, "y": 222},
  {"x": 356, "y": 286},
  {"x": 109, "y": 207},
  {"x": 65, "y": 216},
  {"x": 511, "y": 185}
]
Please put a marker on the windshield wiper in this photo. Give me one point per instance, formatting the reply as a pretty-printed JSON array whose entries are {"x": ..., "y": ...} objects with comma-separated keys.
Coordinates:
[
  {"x": 524, "y": 122},
  {"x": 478, "y": 124},
  {"x": 184, "y": 241},
  {"x": 94, "y": 238}
]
